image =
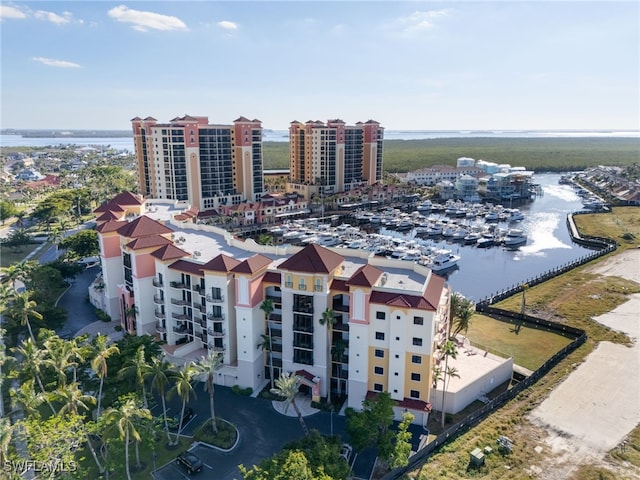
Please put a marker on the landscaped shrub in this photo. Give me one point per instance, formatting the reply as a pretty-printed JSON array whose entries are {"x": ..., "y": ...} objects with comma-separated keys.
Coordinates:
[
  {"x": 225, "y": 438},
  {"x": 103, "y": 316},
  {"x": 242, "y": 391},
  {"x": 118, "y": 328}
]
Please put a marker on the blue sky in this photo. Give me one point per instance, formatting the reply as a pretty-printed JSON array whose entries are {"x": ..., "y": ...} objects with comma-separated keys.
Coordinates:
[{"x": 408, "y": 65}]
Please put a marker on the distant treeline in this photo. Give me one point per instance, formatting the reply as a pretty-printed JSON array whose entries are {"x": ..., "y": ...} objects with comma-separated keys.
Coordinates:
[
  {"x": 67, "y": 133},
  {"x": 537, "y": 154}
]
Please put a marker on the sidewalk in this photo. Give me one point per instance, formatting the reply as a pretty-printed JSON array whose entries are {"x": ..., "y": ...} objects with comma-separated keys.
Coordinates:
[
  {"x": 105, "y": 328},
  {"x": 303, "y": 402}
]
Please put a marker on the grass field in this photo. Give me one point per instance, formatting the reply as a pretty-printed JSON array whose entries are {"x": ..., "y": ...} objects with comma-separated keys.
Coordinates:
[
  {"x": 9, "y": 255},
  {"x": 573, "y": 298},
  {"x": 537, "y": 154}
]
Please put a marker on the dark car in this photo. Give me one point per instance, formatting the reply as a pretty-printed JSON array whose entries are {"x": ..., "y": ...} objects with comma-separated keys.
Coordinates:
[
  {"x": 190, "y": 461},
  {"x": 188, "y": 415}
]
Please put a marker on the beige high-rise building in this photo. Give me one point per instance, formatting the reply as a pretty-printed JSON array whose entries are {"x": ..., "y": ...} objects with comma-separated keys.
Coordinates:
[
  {"x": 334, "y": 156},
  {"x": 207, "y": 165}
]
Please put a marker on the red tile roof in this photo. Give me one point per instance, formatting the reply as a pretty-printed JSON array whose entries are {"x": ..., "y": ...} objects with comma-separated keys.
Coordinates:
[
  {"x": 111, "y": 226},
  {"x": 169, "y": 252},
  {"x": 252, "y": 264},
  {"x": 403, "y": 301},
  {"x": 143, "y": 226},
  {"x": 304, "y": 374},
  {"x": 365, "y": 276},
  {"x": 434, "y": 289},
  {"x": 221, "y": 263},
  {"x": 412, "y": 403},
  {"x": 127, "y": 198},
  {"x": 109, "y": 207},
  {"x": 187, "y": 267},
  {"x": 147, "y": 242},
  {"x": 339, "y": 285},
  {"x": 272, "y": 277},
  {"x": 313, "y": 259},
  {"x": 107, "y": 217}
]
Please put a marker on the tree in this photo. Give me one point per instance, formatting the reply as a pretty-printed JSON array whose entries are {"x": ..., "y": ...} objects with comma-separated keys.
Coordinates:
[
  {"x": 127, "y": 417},
  {"x": 20, "y": 272},
  {"x": 266, "y": 344},
  {"x": 447, "y": 349},
  {"x": 371, "y": 425},
  {"x": 160, "y": 372},
  {"x": 402, "y": 446},
  {"x": 102, "y": 351},
  {"x": 7, "y": 210},
  {"x": 6, "y": 434},
  {"x": 462, "y": 310},
  {"x": 207, "y": 366},
  {"x": 64, "y": 355},
  {"x": 134, "y": 368},
  {"x": 32, "y": 359},
  {"x": 16, "y": 239},
  {"x": 337, "y": 353},
  {"x": 287, "y": 386},
  {"x": 82, "y": 244},
  {"x": 22, "y": 307},
  {"x": 328, "y": 319},
  {"x": 73, "y": 401},
  {"x": 293, "y": 465},
  {"x": 183, "y": 387},
  {"x": 26, "y": 398}
]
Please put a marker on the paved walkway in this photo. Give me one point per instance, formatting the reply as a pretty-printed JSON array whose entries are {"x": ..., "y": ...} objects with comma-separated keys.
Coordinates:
[
  {"x": 303, "y": 402},
  {"x": 105, "y": 328}
]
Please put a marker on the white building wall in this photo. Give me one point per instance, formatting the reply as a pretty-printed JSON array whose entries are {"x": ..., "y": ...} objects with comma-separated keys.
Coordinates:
[
  {"x": 250, "y": 360},
  {"x": 358, "y": 364},
  {"x": 398, "y": 334},
  {"x": 113, "y": 274}
]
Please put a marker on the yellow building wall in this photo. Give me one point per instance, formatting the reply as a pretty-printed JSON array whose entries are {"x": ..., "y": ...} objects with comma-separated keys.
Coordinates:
[
  {"x": 378, "y": 362},
  {"x": 424, "y": 369}
]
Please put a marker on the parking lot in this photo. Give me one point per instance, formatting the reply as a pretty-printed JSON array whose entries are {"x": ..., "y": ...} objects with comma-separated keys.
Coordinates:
[{"x": 172, "y": 470}]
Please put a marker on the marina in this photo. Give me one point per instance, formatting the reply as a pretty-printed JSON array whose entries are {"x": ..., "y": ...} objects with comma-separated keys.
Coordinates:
[{"x": 480, "y": 248}]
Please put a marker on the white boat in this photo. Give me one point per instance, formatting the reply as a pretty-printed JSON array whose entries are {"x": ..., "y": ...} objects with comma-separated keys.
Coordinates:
[
  {"x": 327, "y": 240},
  {"x": 442, "y": 262},
  {"x": 516, "y": 215},
  {"x": 514, "y": 238}
]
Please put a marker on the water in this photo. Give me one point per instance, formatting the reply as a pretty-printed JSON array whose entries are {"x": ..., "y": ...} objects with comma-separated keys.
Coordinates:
[
  {"x": 482, "y": 272},
  {"x": 126, "y": 143}
]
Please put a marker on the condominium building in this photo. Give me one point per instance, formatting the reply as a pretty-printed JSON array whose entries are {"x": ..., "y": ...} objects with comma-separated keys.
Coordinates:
[
  {"x": 189, "y": 159},
  {"x": 343, "y": 321},
  {"x": 333, "y": 157}
]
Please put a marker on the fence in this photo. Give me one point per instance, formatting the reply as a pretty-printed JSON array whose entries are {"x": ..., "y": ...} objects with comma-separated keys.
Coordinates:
[{"x": 605, "y": 246}]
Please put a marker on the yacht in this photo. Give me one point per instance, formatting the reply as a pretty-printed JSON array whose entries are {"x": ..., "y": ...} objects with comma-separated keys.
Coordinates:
[
  {"x": 515, "y": 215},
  {"x": 514, "y": 238},
  {"x": 443, "y": 261}
]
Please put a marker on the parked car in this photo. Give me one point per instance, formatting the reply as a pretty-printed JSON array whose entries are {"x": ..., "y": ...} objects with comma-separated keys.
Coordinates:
[
  {"x": 190, "y": 461},
  {"x": 174, "y": 422},
  {"x": 345, "y": 451}
]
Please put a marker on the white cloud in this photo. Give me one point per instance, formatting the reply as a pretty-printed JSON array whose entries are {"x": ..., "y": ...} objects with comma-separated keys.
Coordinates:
[
  {"x": 53, "y": 17},
  {"x": 418, "y": 21},
  {"x": 11, "y": 12},
  {"x": 51, "y": 62},
  {"x": 228, "y": 25},
  {"x": 144, "y": 21}
]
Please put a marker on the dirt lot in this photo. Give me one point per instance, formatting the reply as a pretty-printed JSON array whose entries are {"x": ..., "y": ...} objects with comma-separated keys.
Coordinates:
[{"x": 598, "y": 404}]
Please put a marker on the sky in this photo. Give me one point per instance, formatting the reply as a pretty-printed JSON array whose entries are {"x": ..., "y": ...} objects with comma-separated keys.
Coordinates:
[{"x": 417, "y": 65}]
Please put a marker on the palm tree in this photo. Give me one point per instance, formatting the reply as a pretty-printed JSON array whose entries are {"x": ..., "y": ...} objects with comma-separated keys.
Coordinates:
[
  {"x": 27, "y": 399},
  {"x": 328, "y": 319},
  {"x": 184, "y": 388},
  {"x": 462, "y": 310},
  {"x": 130, "y": 313},
  {"x": 99, "y": 362},
  {"x": 64, "y": 355},
  {"x": 19, "y": 272},
  {"x": 266, "y": 344},
  {"x": 447, "y": 349},
  {"x": 207, "y": 366},
  {"x": 22, "y": 307},
  {"x": 135, "y": 368},
  {"x": 287, "y": 386},
  {"x": 126, "y": 418},
  {"x": 337, "y": 352},
  {"x": 32, "y": 358},
  {"x": 161, "y": 373},
  {"x": 6, "y": 434},
  {"x": 72, "y": 399}
]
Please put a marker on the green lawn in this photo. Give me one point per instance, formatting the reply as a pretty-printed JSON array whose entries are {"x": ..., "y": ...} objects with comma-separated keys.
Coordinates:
[
  {"x": 9, "y": 255},
  {"x": 529, "y": 347}
]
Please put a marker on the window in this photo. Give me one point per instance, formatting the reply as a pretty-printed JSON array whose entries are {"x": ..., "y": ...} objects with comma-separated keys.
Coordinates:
[
  {"x": 416, "y": 359},
  {"x": 378, "y": 370},
  {"x": 417, "y": 341},
  {"x": 380, "y": 336},
  {"x": 288, "y": 283},
  {"x": 418, "y": 321},
  {"x": 302, "y": 285},
  {"x": 414, "y": 393},
  {"x": 379, "y": 353},
  {"x": 415, "y": 377},
  {"x": 380, "y": 315},
  {"x": 318, "y": 287},
  {"x": 377, "y": 387}
]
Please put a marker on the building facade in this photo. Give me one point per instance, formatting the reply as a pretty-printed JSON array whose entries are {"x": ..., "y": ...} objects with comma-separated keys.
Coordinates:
[
  {"x": 332, "y": 157},
  {"x": 346, "y": 324},
  {"x": 188, "y": 159}
]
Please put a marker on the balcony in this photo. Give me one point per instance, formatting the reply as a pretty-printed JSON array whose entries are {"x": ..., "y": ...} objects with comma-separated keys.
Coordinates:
[
  {"x": 198, "y": 288},
  {"x": 179, "y": 301},
  {"x": 305, "y": 345},
  {"x": 158, "y": 300},
  {"x": 274, "y": 299},
  {"x": 340, "y": 307},
  {"x": 183, "y": 330},
  {"x": 159, "y": 314},
  {"x": 288, "y": 284},
  {"x": 216, "y": 299},
  {"x": 342, "y": 327},
  {"x": 157, "y": 283},
  {"x": 180, "y": 316},
  {"x": 302, "y": 286},
  {"x": 200, "y": 308},
  {"x": 202, "y": 323},
  {"x": 215, "y": 333},
  {"x": 160, "y": 328},
  {"x": 217, "y": 348},
  {"x": 317, "y": 288},
  {"x": 302, "y": 327},
  {"x": 178, "y": 285},
  {"x": 216, "y": 317}
]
